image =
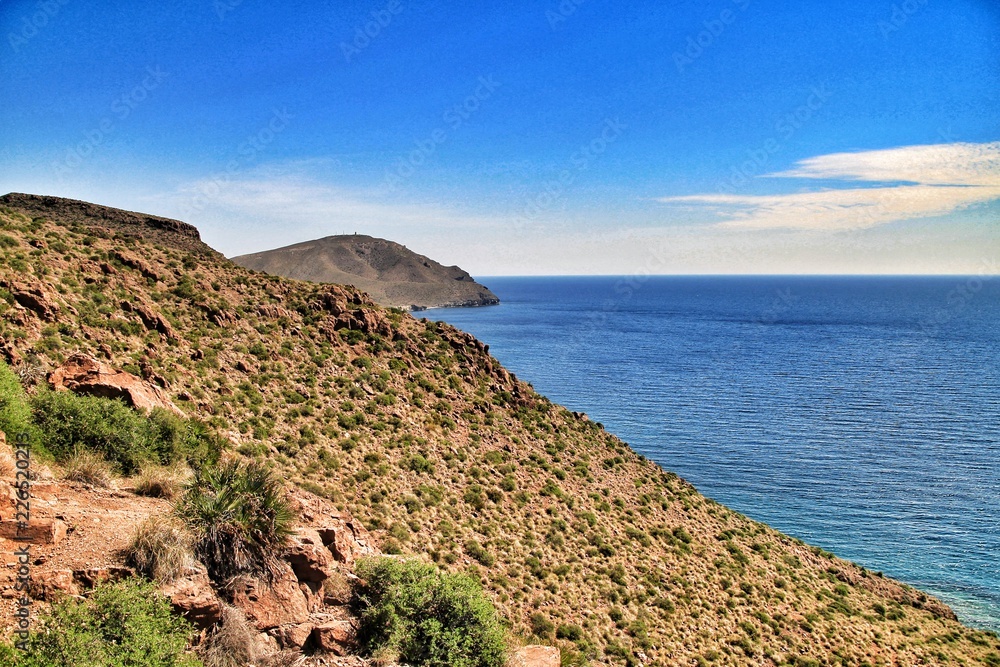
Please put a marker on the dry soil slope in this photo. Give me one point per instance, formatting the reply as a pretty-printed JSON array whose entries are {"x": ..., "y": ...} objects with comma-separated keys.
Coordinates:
[
  {"x": 392, "y": 274},
  {"x": 414, "y": 428}
]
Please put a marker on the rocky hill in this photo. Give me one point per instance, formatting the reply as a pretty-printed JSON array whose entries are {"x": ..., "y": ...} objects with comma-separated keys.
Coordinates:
[
  {"x": 389, "y": 272},
  {"x": 412, "y": 428}
]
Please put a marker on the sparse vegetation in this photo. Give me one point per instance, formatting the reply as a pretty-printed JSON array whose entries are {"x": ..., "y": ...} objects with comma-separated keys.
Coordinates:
[
  {"x": 88, "y": 468},
  {"x": 570, "y": 523}
]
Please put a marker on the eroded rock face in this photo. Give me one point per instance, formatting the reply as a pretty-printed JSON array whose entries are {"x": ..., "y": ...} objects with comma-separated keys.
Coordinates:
[
  {"x": 346, "y": 543},
  {"x": 193, "y": 598},
  {"x": 84, "y": 374},
  {"x": 337, "y": 637},
  {"x": 151, "y": 319},
  {"x": 54, "y": 584},
  {"x": 310, "y": 559},
  {"x": 293, "y": 636},
  {"x": 267, "y": 607},
  {"x": 35, "y": 299},
  {"x": 36, "y": 531}
]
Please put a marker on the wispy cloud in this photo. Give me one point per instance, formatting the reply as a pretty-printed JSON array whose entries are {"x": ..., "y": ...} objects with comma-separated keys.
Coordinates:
[{"x": 903, "y": 183}]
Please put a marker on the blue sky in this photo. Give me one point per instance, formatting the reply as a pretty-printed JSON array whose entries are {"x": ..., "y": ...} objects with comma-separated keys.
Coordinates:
[{"x": 720, "y": 136}]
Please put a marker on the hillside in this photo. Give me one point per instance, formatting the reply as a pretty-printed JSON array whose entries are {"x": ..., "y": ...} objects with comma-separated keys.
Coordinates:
[
  {"x": 389, "y": 272},
  {"x": 414, "y": 429}
]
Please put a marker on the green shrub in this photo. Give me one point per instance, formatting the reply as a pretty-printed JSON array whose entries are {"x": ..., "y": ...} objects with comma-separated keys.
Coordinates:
[
  {"x": 15, "y": 413},
  {"x": 240, "y": 518},
  {"x": 123, "y": 624},
  {"x": 126, "y": 438},
  {"x": 417, "y": 614}
]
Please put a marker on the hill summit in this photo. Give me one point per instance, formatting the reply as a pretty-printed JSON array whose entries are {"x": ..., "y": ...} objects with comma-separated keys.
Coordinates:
[{"x": 390, "y": 273}]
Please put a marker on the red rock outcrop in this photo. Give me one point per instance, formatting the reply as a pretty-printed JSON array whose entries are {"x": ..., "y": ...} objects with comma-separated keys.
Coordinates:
[
  {"x": 35, "y": 299},
  {"x": 310, "y": 559},
  {"x": 84, "y": 374},
  {"x": 337, "y": 637},
  {"x": 192, "y": 596},
  {"x": 281, "y": 603}
]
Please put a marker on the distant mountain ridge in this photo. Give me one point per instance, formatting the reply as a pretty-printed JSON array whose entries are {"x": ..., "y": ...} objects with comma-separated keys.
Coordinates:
[{"x": 390, "y": 272}]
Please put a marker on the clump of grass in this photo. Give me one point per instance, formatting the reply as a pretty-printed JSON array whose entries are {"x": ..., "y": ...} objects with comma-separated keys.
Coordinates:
[
  {"x": 232, "y": 643},
  {"x": 88, "y": 468},
  {"x": 240, "y": 518},
  {"x": 160, "y": 549},
  {"x": 162, "y": 481}
]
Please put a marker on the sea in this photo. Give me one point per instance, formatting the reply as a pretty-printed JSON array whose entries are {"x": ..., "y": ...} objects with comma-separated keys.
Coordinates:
[{"x": 859, "y": 414}]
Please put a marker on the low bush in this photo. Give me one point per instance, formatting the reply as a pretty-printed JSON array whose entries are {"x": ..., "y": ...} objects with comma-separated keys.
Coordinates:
[
  {"x": 122, "y": 624},
  {"x": 15, "y": 413},
  {"x": 419, "y": 615},
  {"x": 125, "y": 437},
  {"x": 240, "y": 518}
]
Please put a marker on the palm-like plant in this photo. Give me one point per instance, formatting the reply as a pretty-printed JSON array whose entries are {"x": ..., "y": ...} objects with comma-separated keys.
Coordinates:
[{"x": 240, "y": 518}]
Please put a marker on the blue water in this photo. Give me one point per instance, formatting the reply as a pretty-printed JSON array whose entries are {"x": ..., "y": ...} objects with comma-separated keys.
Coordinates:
[{"x": 858, "y": 414}]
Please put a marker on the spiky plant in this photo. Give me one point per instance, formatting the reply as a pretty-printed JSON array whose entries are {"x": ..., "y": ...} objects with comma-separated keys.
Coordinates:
[{"x": 240, "y": 518}]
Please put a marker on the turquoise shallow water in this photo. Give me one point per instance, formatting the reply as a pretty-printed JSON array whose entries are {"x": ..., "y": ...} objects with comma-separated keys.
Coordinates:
[{"x": 858, "y": 414}]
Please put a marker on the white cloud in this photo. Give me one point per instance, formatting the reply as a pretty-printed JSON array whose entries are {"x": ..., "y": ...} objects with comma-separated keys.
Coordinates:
[{"x": 907, "y": 183}]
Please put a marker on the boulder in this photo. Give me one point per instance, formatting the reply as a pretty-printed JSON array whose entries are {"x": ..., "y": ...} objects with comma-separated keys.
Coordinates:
[
  {"x": 151, "y": 319},
  {"x": 84, "y": 374},
  {"x": 292, "y": 636},
  {"x": 193, "y": 598},
  {"x": 337, "y": 637},
  {"x": 308, "y": 555},
  {"x": 52, "y": 585},
  {"x": 347, "y": 542},
  {"x": 35, "y": 299},
  {"x": 36, "y": 531},
  {"x": 536, "y": 656},
  {"x": 281, "y": 603}
]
